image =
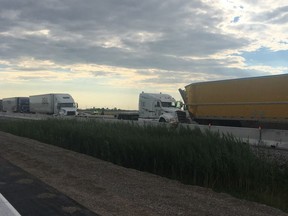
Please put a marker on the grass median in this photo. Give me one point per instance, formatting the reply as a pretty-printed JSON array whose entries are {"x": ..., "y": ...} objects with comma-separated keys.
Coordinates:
[{"x": 212, "y": 160}]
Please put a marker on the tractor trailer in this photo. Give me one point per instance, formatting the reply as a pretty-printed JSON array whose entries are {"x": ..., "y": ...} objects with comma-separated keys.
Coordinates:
[
  {"x": 15, "y": 104},
  {"x": 257, "y": 101},
  {"x": 158, "y": 107},
  {"x": 57, "y": 104}
]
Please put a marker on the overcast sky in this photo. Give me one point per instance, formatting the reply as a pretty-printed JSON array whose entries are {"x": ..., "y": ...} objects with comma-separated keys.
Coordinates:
[{"x": 104, "y": 53}]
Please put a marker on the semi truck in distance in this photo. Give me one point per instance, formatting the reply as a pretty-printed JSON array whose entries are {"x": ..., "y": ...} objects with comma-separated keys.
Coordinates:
[
  {"x": 158, "y": 107},
  {"x": 161, "y": 107},
  {"x": 15, "y": 104},
  {"x": 248, "y": 102},
  {"x": 57, "y": 104}
]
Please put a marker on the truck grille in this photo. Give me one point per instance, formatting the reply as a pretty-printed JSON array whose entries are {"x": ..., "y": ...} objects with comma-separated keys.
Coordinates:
[
  {"x": 71, "y": 113},
  {"x": 181, "y": 116}
]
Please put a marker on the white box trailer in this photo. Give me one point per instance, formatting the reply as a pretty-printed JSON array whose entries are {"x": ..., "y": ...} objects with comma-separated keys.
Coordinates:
[
  {"x": 57, "y": 104},
  {"x": 15, "y": 104}
]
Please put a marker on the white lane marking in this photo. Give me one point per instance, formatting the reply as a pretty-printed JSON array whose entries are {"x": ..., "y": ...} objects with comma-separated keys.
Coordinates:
[{"x": 6, "y": 208}]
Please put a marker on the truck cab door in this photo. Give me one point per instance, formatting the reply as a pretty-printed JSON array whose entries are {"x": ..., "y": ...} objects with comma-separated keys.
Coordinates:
[{"x": 158, "y": 109}]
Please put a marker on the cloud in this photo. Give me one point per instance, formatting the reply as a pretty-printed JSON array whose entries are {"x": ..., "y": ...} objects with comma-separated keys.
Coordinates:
[
  {"x": 277, "y": 16},
  {"x": 138, "y": 42}
]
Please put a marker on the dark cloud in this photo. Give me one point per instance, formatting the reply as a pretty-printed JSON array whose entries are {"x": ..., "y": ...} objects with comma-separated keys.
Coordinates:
[
  {"x": 31, "y": 69},
  {"x": 36, "y": 78},
  {"x": 104, "y": 74},
  {"x": 193, "y": 43}
]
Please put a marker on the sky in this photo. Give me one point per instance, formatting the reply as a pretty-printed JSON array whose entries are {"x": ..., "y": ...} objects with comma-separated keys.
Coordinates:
[{"x": 104, "y": 53}]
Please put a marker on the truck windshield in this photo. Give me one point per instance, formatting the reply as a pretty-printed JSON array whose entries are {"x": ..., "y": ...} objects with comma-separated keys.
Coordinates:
[
  {"x": 66, "y": 105},
  {"x": 24, "y": 102},
  {"x": 168, "y": 104}
]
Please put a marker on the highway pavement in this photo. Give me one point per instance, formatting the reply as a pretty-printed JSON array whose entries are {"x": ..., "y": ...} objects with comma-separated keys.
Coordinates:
[{"x": 29, "y": 196}]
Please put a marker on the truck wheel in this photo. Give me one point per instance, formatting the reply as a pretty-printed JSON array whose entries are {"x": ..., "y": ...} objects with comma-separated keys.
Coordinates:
[{"x": 162, "y": 120}]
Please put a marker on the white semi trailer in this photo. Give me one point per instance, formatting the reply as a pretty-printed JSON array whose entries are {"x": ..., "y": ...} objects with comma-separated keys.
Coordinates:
[
  {"x": 158, "y": 107},
  {"x": 15, "y": 104},
  {"x": 57, "y": 104}
]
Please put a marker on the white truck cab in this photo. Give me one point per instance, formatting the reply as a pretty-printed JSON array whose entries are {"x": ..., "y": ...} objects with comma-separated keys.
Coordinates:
[
  {"x": 161, "y": 107},
  {"x": 65, "y": 105}
]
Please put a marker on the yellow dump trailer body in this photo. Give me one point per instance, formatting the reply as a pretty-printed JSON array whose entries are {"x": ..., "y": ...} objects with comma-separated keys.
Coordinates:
[{"x": 259, "y": 99}]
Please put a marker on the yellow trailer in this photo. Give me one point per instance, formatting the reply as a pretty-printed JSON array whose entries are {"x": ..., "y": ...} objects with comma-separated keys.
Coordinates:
[{"x": 257, "y": 99}]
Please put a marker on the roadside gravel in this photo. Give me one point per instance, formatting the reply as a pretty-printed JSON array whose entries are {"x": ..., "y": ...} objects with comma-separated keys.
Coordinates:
[{"x": 108, "y": 189}]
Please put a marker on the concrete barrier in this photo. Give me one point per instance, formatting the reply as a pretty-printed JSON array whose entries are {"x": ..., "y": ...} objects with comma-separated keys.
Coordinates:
[{"x": 265, "y": 137}]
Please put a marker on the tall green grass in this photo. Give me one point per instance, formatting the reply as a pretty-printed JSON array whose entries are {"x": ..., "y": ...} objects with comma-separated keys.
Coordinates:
[{"x": 212, "y": 160}]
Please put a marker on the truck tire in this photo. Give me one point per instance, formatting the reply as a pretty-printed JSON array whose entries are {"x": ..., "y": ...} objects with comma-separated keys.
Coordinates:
[{"x": 162, "y": 120}]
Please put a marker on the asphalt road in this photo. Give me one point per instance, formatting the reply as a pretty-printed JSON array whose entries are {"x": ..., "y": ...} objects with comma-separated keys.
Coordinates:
[{"x": 31, "y": 197}]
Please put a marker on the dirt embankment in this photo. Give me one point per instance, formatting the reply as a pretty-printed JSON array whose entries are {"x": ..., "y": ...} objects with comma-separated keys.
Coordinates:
[{"x": 108, "y": 189}]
